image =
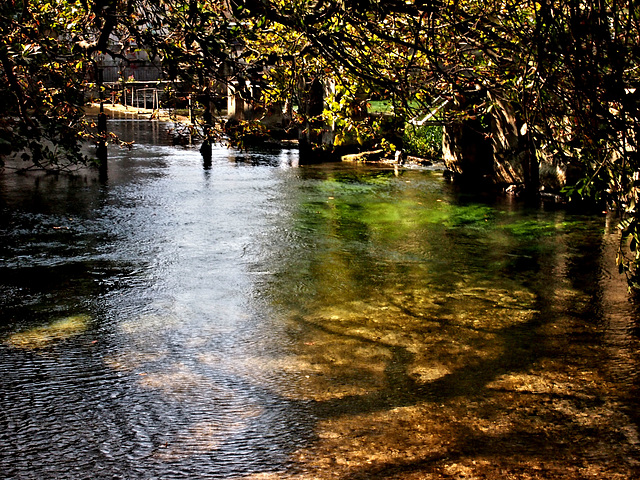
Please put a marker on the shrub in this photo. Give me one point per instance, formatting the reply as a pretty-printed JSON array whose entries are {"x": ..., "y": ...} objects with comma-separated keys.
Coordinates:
[{"x": 423, "y": 141}]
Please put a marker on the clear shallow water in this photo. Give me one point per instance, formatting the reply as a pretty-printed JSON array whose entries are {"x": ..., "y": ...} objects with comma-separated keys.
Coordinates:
[{"x": 263, "y": 320}]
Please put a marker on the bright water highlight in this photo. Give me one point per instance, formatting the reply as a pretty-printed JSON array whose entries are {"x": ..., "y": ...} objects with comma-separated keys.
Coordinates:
[{"x": 261, "y": 319}]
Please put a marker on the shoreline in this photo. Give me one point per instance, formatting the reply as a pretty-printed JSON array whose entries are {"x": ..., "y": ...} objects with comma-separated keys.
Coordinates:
[{"x": 122, "y": 111}]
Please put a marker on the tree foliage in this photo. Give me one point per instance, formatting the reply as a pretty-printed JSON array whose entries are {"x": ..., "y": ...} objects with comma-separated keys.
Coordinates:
[
  {"x": 567, "y": 69},
  {"x": 40, "y": 81}
]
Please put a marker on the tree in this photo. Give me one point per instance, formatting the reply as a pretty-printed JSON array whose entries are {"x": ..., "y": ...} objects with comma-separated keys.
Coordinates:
[
  {"x": 565, "y": 72},
  {"x": 41, "y": 82}
]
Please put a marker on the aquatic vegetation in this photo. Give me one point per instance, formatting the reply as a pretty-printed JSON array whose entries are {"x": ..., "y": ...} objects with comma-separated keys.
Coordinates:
[
  {"x": 43, "y": 336},
  {"x": 535, "y": 227}
]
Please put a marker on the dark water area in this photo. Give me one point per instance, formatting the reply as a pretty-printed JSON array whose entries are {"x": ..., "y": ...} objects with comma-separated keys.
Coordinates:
[{"x": 259, "y": 319}]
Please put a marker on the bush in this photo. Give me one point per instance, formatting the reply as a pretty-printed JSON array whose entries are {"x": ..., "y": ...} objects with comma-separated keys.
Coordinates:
[{"x": 423, "y": 141}]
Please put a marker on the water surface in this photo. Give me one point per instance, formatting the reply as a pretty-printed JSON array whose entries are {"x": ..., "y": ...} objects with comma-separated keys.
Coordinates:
[{"x": 260, "y": 319}]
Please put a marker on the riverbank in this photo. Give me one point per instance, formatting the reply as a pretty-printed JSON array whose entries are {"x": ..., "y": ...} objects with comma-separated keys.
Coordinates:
[{"x": 123, "y": 111}]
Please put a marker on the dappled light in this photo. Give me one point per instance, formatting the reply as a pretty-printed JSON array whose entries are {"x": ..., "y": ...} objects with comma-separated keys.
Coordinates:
[
  {"x": 264, "y": 321},
  {"x": 314, "y": 240},
  {"x": 43, "y": 336}
]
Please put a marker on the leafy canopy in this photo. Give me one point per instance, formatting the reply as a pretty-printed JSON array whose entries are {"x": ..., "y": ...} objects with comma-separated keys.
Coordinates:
[{"x": 568, "y": 69}]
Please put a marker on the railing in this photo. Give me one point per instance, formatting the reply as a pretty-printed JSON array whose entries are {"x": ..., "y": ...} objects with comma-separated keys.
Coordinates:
[{"x": 140, "y": 73}]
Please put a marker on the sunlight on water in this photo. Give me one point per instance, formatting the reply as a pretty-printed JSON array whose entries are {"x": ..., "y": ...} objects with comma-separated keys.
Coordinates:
[{"x": 264, "y": 320}]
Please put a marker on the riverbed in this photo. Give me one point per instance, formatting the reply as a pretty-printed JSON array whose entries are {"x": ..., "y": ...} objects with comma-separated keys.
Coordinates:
[{"x": 262, "y": 319}]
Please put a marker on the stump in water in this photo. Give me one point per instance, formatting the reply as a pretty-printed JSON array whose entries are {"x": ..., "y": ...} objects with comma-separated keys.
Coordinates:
[
  {"x": 206, "y": 152},
  {"x": 101, "y": 150}
]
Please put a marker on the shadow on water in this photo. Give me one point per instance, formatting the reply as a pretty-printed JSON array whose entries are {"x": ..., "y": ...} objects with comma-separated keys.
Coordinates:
[
  {"x": 260, "y": 320},
  {"x": 498, "y": 366}
]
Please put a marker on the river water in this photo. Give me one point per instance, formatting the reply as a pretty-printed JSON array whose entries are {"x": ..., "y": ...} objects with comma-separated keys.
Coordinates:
[{"x": 264, "y": 320}]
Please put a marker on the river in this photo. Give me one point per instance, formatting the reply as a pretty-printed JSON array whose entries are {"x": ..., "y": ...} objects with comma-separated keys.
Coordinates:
[{"x": 259, "y": 319}]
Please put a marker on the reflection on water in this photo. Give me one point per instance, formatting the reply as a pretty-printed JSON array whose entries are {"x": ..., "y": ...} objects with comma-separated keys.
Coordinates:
[{"x": 262, "y": 320}]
